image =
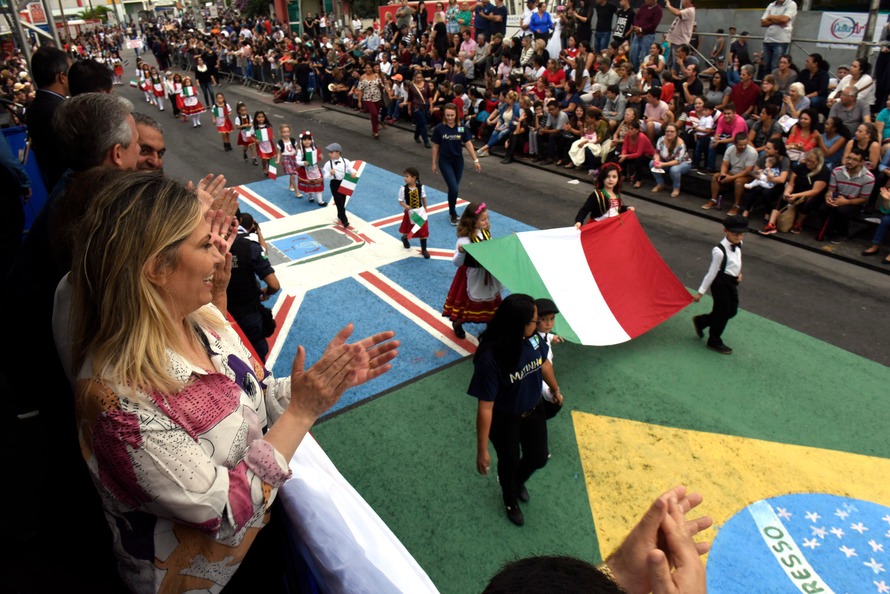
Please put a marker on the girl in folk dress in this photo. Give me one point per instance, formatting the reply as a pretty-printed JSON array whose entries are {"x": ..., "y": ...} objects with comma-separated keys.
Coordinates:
[
  {"x": 177, "y": 95},
  {"x": 170, "y": 88},
  {"x": 309, "y": 175},
  {"x": 287, "y": 157},
  {"x": 117, "y": 68},
  {"x": 244, "y": 124},
  {"x": 412, "y": 196},
  {"x": 475, "y": 294},
  {"x": 145, "y": 82},
  {"x": 221, "y": 111},
  {"x": 191, "y": 105},
  {"x": 157, "y": 88},
  {"x": 605, "y": 200},
  {"x": 262, "y": 131}
]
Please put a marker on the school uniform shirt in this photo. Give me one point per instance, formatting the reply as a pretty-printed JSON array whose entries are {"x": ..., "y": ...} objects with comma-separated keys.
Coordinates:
[
  {"x": 513, "y": 391},
  {"x": 451, "y": 141},
  {"x": 733, "y": 263}
]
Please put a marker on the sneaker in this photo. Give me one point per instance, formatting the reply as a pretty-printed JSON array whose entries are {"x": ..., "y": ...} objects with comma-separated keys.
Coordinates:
[
  {"x": 709, "y": 204},
  {"x": 839, "y": 239},
  {"x": 720, "y": 348},
  {"x": 749, "y": 185},
  {"x": 515, "y": 515},
  {"x": 796, "y": 229},
  {"x": 768, "y": 229},
  {"x": 454, "y": 221},
  {"x": 733, "y": 210},
  {"x": 705, "y": 172},
  {"x": 320, "y": 203},
  {"x": 405, "y": 242}
]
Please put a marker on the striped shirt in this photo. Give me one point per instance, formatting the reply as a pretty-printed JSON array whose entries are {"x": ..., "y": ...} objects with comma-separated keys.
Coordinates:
[{"x": 852, "y": 187}]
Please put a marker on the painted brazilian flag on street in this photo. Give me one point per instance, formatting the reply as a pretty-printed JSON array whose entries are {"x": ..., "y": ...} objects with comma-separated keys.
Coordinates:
[{"x": 607, "y": 280}]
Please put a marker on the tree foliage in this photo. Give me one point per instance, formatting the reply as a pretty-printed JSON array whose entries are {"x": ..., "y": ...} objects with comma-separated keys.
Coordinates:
[{"x": 99, "y": 13}]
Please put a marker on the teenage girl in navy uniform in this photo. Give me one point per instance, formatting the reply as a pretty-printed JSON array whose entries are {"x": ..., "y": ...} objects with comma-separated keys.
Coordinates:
[{"x": 509, "y": 369}]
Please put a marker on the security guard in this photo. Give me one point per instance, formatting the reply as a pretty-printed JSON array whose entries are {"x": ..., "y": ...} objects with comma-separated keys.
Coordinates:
[{"x": 249, "y": 262}]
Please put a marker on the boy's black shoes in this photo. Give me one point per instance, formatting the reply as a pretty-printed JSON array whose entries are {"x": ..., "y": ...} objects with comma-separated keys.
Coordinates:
[
  {"x": 523, "y": 494},
  {"x": 720, "y": 348},
  {"x": 699, "y": 326},
  {"x": 515, "y": 515}
]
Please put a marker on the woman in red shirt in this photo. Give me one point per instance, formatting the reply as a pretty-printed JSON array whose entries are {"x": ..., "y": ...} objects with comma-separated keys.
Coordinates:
[{"x": 636, "y": 151}]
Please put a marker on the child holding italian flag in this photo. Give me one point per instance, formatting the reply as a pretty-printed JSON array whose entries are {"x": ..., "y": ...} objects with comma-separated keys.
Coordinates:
[
  {"x": 310, "y": 179},
  {"x": 265, "y": 148}
]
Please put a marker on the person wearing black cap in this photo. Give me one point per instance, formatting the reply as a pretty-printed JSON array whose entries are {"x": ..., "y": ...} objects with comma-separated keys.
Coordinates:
[
  {"x": 335, "y": 170},
  {"x": 723, "y": 279},
  {"x": 547, "y": 311}
]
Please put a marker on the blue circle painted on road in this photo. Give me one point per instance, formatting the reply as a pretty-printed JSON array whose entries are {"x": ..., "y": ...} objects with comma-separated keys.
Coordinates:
[{"x": 811, "y": 543}]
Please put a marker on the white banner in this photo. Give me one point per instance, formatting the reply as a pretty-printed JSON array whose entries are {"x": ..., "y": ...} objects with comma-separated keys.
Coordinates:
[{"x": 847, "y": 27}]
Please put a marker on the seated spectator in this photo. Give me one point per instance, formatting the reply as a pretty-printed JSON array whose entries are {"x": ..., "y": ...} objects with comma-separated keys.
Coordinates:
[
  {"x": 795, "y": 101},
  {"x": 684, "y": 59},
  {"x": 865, "y": 144},
  {"x": 613, "y": 110},
  {"x": 718, "y": 91},
  {"x": 882, "y": 122},
  {"x": 636, "y": 152},
  {"x": 834, "y": 142},
  {"x": 806, "y": 189},
  {"x": 571, "y": 99},
  {"x": 769, "y": 95},
  {"x": 655, "y": 114},
  {"x": 551, "y": 132},
  {"x": 858, "y": 78},
  {"x": 502, "y": 122},
  {"x": 515, "y": 143},
  {"x": 575, "y": 130},
  {"x": 703, "y": 122},
  {"x": 654, "y": 60},
  {"x": 765, "y": 128},
  {"x": 620, "y": 133},
  {"x": 687, "y": 120},
  {"x": 726, "y": 128},
  {"x": 667, "y": 87},
  {"x": 672, "y": 158},
  {"x": 814, "y": 78},
  {"x": 848, "y": 190},
  {"x": 627, "y": 79},
  {"x": 803, "y": 135},
  {"x": 785, "y": 75},
  {"x": 692, "y": 86},
  {"x": 850, "y": 110},
  {"x": 772, "y": 178},
  {"x": 735, "y": 172},
  {"x": 605, "y": 75},
  {"x": 744, "y": 94},
  {"x": 554, "y": 76},
  {"x": 883, "y": 226}
]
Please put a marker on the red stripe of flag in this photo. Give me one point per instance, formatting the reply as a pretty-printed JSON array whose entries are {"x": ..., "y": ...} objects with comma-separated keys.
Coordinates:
[{"x": 635, "y": 282}]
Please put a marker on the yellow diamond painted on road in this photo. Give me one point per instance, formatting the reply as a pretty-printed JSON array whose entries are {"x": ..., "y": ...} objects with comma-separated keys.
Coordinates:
[{"x": 627, "y": 464}]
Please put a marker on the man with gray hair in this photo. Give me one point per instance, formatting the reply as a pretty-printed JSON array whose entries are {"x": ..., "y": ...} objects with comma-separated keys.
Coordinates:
[
  {"x": 745, "y": 92},
  {"x": 850, "y": 110},
  {"x": 91, "y": 129},
  {"x": 151, "y": 143}
]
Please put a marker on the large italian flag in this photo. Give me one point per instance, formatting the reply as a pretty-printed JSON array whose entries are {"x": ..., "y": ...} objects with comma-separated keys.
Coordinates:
[{"x": 607, "y": 280}]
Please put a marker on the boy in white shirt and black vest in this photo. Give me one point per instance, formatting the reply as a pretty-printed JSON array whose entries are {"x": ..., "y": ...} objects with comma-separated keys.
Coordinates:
[
  {"x": 722, "y": 279},
  {"x": 335, "y": 170}
]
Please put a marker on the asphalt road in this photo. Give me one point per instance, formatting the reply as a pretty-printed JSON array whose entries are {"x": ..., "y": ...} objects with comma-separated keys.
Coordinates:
[{"x": 836, "y": 301}]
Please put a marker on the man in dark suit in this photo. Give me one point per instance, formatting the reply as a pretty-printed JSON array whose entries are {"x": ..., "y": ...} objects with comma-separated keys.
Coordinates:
[{"x": 49, "y": 67}]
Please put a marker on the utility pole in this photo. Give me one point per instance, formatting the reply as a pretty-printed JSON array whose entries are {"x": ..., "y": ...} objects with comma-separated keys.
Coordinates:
[
  {"x": 862, "y": 52},
  {"x": 64, "y": 22}
]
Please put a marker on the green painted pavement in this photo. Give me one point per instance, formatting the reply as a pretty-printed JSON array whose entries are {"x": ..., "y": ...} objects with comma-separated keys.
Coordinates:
[{"x": 411, "y": 453}]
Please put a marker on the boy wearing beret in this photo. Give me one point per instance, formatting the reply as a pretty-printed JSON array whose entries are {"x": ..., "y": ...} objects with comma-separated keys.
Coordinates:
[{"x": 723, "y": 278}]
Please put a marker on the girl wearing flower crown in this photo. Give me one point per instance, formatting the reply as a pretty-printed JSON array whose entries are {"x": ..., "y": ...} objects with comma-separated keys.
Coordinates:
[
  {"x": 310, "y": 179},
  {"x": 262, "y": 131},
  {"x": 605, "y": 200},
  {"x": 475, "y": 294}
]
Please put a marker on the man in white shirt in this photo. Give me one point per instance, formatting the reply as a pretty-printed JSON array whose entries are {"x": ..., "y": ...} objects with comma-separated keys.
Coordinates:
[
  {"x": 530, "y": 7},
  {"x": 778, "y": 18},
  {"x": 680, "y": 32}
]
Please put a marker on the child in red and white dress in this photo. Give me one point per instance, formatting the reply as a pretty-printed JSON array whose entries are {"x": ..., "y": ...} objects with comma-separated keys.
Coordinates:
[
  {"x": 310, "y": 179},
  {"x": 244, "y": 125},
  {"x": 144, "y": 74},
  {"x": 221, "y": 111},
  {"x": 262, "y": 132},
  {"x": 157, "y": 88},
  {"x": 475, "y": 294},
  {"x": 287, "y": 156},
  {"x": 174, "y": 91},
  {"x": 191, "y": 105},
  {"x": 117, "y": 69}
]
